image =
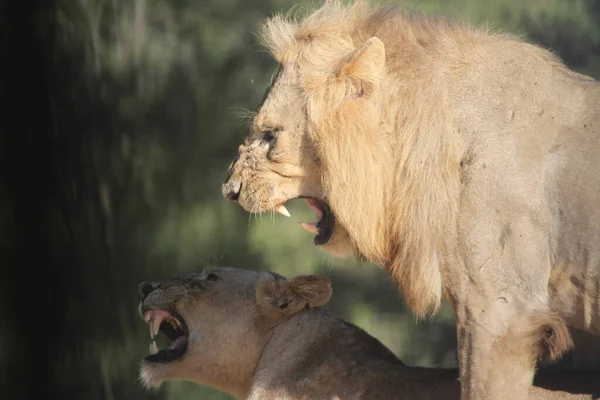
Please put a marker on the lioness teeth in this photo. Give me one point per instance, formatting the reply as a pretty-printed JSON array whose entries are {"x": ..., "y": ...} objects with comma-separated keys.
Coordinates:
[
  {"x": 282, "y": 210},
  {"x": 153, "y": 348},
  {"x": 310, "y": 227},
  {"x": 156, "y": 324}
]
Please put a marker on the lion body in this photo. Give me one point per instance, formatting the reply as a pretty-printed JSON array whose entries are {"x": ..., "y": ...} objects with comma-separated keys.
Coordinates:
[
  {"x": 259, "y": 336},
  {"x": 464, "y": 162}
]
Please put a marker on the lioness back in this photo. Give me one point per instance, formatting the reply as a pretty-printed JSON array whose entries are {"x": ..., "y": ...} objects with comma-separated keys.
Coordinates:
[{"x": 333, "y": 359}]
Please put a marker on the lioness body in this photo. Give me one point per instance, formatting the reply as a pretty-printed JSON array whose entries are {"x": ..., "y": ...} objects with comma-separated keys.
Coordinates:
[
  {"x": 464, "y": 162},
  {"x": 335, "y": 360},
  {"x": 258, "y": 336}
]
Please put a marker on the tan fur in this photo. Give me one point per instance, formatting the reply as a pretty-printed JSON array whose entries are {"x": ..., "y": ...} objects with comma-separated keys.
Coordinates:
[
  {"x": 553, "y": 336},
  {"x": 462, "y": 161},
  {"x": 281, "y": 298},
  {"x": 298, "y": 350},
  {"x": 578, "y": 292}
]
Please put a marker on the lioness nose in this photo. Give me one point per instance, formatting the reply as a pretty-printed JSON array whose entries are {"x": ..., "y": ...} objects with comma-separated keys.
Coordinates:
[
  {"x": 145, "y": 288},
  {"x": 231, "y": 189}
]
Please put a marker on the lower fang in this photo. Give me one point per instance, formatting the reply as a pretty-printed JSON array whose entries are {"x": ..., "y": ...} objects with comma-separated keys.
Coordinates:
[
  {"x": 153, "y": 348},
  {"x": 310, "y": 227}
]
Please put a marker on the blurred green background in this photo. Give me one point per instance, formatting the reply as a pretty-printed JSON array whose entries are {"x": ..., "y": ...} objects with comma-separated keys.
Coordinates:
[{"x": 149, "y": 100}]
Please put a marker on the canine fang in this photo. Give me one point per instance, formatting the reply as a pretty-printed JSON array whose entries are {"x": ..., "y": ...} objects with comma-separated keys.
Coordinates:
[
  {"x": 310, "y": 227},
  {"x": 282, "y": 210},
  {"x": 153, "y": 348},
  {"x": 156, "y": 324}
]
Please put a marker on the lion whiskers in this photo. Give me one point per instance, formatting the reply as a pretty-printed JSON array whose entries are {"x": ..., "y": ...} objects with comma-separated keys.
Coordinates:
[
  {"x": 244, "y": 115},
  {"x": 252, "y": 212}
]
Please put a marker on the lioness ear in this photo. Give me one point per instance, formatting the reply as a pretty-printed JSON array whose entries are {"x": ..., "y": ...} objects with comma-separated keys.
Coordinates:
[
  {"x": 364, "y": 66},
  {"x": 279, "y": 298},
  {"x": 315, "y": 290}
]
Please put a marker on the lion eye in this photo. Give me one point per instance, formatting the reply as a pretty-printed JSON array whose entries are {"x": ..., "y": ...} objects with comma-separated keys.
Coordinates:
[{"x": 269, "y": 136}]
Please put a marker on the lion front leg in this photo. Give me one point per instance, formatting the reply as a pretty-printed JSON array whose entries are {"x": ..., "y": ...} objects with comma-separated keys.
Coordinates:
[
  {"x": 505, "y": 324},
  {"x": 498, "y": 350}
]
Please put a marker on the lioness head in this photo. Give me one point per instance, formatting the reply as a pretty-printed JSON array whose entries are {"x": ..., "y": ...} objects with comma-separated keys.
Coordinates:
[
  {"x": 215, "y": 323},
  {"x": 322, "y": 102}
]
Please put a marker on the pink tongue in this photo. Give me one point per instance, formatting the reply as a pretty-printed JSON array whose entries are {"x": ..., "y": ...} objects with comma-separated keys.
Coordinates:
[{"x": 178, "y": 342}]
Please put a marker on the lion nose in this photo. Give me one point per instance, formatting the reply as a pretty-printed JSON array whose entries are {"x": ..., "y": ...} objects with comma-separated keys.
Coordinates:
[
  {"x": 145, "y": 289},
  {"x": 231, "y": 189}
]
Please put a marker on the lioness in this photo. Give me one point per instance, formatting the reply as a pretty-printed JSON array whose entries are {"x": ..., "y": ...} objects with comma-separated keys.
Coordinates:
[
  {"x": 256, "y": 335},
  {"x": 465, "y": 163}
]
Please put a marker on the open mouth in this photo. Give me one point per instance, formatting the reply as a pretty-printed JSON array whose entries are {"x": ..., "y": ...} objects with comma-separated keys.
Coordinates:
[
  {"x": 175, "y": 330},
  {"x": 322, "y": 227}
]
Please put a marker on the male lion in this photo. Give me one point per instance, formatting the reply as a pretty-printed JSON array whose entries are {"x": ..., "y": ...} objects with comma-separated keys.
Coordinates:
[
  {"x": 465, "y": 163},
  {"x": 257, "y": 335}
]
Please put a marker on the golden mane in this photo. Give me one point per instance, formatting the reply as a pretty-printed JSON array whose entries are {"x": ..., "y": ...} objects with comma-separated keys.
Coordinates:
[{"x": 399, "y": 222}]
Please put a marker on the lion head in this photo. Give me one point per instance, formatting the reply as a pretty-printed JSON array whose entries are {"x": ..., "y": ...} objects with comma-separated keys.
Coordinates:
[
  {"x": 327, "y": 131},
  {"x": 321, "y": 101},
  {"x": 214, "y": 324}
]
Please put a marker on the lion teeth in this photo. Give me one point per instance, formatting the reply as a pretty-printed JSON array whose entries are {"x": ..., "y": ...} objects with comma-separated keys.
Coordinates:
[
  {"x": 282, "y": 210},
  {"x": 310, "y": 227},
  {"x": 153, "y": 348},
  {"x": 151, "y": 332}
]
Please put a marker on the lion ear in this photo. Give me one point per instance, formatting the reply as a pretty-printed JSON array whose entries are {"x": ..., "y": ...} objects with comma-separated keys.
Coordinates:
[
  {"x": 364, "y": 67},
  {"x": 280, "y": 298}
]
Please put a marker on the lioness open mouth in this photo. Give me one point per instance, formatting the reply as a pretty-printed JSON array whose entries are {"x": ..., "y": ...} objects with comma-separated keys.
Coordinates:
[
  {"x": 322, "y": 227},
  {"x": 173, "y": 326}
]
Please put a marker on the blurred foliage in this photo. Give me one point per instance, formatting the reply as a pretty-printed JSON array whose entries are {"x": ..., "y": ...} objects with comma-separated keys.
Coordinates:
[{"x": 149, "y": 102}]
